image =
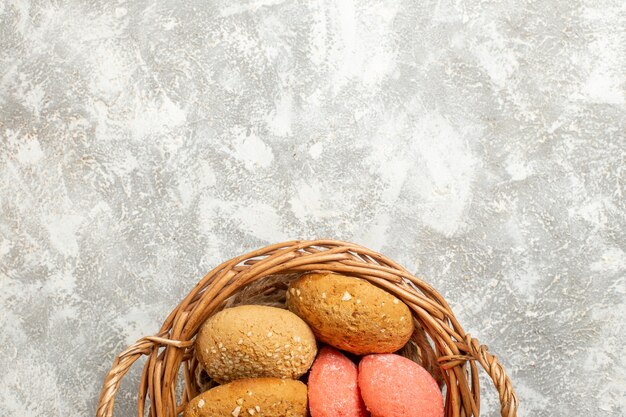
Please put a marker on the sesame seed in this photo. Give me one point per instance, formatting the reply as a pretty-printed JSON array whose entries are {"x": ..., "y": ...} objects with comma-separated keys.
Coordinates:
[
  {"x": 401, "y": 318},
  {"x": 292, "y": 290},
  {"x": 251, "y": 411},
  {"x": 382, "y": 304},
  {"x": 257, "y": 408},
  {"x": 382, "y": 330},
  {"x": 220, "y": 345},
  {"x": 249, "y": 334},
  {"x": 236, "y": 411},
  {"x": 287, "y": 346},
  {"x": 298, "y": 292},
  {"x": 346, "y": 296},
  {"x": 269, "y": 334},
  {"x": 240, "y": 401},
  {"x": 396, "y": 301},
  {"x": 240, "y": 341},
  {"x": 323, "y": 295},
  {"x": 358, "y": 301},
  {"x": 213, "y": 350},
  {"x": 249, "y": 393},
  {"x": 200, "y": 403},
  {"x": 269, "y": 353},
  {"x": 383, "y": 315}
]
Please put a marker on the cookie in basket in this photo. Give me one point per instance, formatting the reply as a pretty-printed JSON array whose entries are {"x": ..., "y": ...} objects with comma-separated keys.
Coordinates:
[
  {"x": 252, "y": 341},
  {"x": 333, "y": 389},
  {"x": 394, "y": 386},
  {"x": 260, "y": 397},
  {"x": 350, "y": 313}
]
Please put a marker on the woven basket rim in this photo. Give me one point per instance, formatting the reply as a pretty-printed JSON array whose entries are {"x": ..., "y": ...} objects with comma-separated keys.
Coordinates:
[{"x": 455, "y": 354}]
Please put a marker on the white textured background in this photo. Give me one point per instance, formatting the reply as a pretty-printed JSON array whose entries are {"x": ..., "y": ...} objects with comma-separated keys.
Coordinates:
[{"x": 479, "y": 143}]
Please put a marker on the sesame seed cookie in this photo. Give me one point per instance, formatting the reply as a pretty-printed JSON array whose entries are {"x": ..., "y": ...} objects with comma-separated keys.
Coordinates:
[
  {"x": 252, "y": 397},
  {"x": 252, "y": 341},
  {"x": 350, "y": 313}
]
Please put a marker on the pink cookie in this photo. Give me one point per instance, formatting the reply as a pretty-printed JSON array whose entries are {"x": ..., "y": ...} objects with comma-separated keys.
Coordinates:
[
  {"x": 333, "y": 390},
  {"x": 394, "y": 386}
]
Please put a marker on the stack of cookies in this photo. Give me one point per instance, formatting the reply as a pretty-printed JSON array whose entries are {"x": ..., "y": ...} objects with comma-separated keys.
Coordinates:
[{"x": 338, "y": 334}]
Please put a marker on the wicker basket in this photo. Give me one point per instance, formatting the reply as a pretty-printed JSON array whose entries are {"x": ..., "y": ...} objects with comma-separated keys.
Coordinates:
[{"x": 439, "y": 342}]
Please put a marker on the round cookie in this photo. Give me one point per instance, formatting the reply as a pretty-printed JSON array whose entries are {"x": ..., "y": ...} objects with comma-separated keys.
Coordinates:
[
  {"x": 258, "y": 397},
  {"x": 350, "y": 313},
  {"x": 255, "y": 341},
  {"x": 333, "y": 389},
  {"x": 394, "y": 386}
]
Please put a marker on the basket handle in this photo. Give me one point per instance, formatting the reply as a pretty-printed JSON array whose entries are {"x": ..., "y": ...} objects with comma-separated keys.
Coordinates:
[
  {"x": 508, "y": 398},
  {"x": 122, "y": 364}
]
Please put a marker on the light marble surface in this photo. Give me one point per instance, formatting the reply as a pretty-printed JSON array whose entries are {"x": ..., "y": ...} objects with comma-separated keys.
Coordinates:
[{"x": 479, "y": 143}]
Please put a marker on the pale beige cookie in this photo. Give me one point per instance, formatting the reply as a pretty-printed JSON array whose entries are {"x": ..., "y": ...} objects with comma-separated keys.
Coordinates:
[
  {"x": 350, "y": 313},
  {"x": 254, "y": 397},
  {"x": 255, "y": 341}
]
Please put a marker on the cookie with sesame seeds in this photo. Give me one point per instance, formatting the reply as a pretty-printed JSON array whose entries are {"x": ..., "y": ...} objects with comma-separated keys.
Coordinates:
[
  {"x": 350, "y": 313},
  {"x": 252, "y": 341},
  {"x": 251, "y": 397}
]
